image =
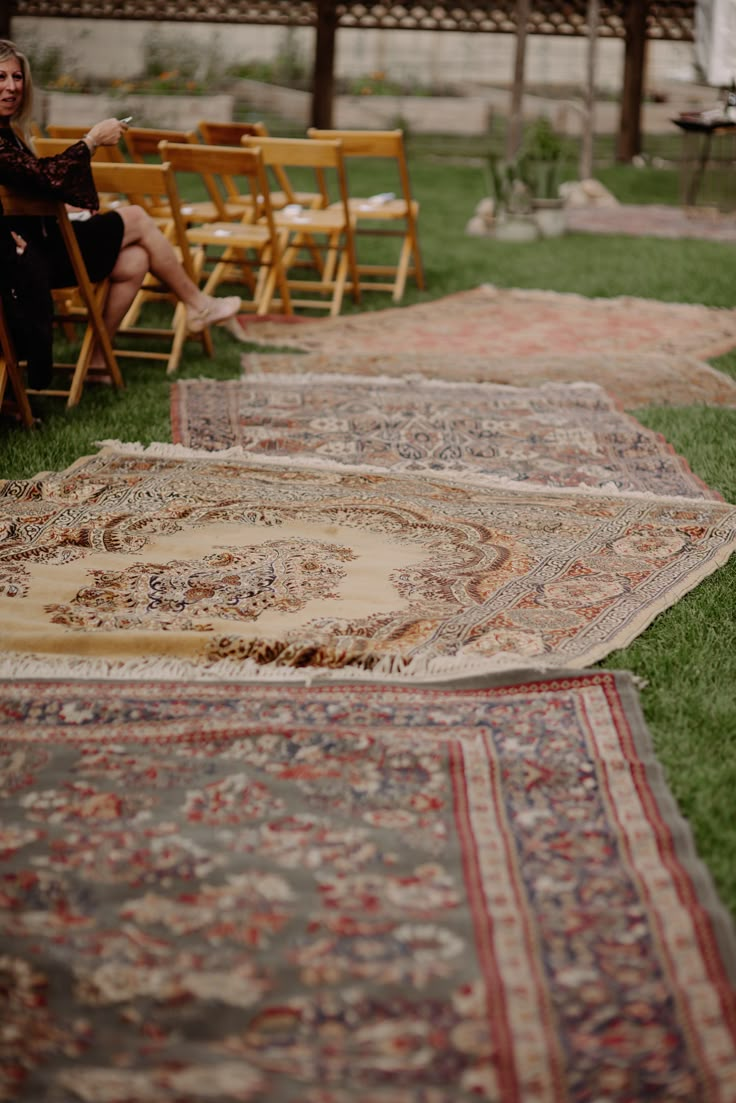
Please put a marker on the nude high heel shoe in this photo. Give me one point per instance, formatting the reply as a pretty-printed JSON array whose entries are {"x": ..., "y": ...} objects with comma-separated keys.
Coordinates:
[{"x": 215, "y": 313}]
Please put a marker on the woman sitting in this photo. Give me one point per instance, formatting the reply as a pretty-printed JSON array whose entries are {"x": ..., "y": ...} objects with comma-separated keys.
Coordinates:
[{"x": 123, "y": 245}]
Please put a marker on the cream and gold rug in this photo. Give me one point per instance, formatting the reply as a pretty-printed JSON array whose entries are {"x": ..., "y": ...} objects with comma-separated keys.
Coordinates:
[{"x": 163, "y": 561}]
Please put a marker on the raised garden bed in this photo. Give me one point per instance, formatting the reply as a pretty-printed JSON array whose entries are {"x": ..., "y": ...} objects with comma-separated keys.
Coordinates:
[
  {"x": 180, "y": 112},
  {"x": 419, "y": 114}
]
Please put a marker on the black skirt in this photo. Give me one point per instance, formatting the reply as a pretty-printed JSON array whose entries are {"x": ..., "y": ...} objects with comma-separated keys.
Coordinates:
[{"x": 100, "y": 238}]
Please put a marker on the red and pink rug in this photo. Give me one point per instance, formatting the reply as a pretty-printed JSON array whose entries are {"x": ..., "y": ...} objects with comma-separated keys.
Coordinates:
[
  {"x": 643, "y": 352},
  {"x": 490, "y": 320}
]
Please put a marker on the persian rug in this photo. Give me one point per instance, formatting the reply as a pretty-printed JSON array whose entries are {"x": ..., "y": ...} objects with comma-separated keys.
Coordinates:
[
  {"x": 645, "y": 379},
  {"x": 501, "y": 322},
  {"x": 653, "y": 220},
  {"x": 555, "y": 435},
  {"x": 353, "y": 893},
  {"x": 221, "y": 564}
]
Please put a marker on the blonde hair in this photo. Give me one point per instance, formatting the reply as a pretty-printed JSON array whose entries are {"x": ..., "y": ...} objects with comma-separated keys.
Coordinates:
[{"x": 22, "y": 116}]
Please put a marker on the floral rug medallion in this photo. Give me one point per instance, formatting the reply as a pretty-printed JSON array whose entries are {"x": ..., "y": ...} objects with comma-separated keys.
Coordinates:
[{"x": 220, "y": 564}]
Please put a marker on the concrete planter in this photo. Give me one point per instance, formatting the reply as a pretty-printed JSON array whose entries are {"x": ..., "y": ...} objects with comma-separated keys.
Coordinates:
[
  {"x": 174, "y": 111},
  {"x": 550, "y": 216},
  {"x": 511, "y": 226},
  {"x": 420, "y": 114}
]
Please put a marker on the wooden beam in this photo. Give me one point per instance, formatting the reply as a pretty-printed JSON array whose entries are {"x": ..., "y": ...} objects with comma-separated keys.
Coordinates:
[
  {"x": 628, "y": 143},
  {"x": 588, "y": 136},
  {"x": 7, "y": 7},
  {"x": 515, "y": 129},
  {"x": 324, "y": 65}
]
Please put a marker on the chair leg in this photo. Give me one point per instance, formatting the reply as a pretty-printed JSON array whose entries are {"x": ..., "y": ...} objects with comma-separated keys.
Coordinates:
[
  {"x": 180, "y": 334},
  {"x": 417, "y": 254},
  {"x": 275, "y": 276},
  {"x": 402, "y": 271},
  {"x": 94, "y": 333},
  {"x": 340, "y": 282},
  {"x": 10, "y": 374}
]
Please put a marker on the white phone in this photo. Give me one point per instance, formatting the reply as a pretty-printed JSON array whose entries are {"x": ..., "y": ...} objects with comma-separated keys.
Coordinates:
[{"x": 127, "y": 119}]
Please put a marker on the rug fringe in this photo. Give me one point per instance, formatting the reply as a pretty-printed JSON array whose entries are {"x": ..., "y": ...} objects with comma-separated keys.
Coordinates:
[
  {"x": 400, "y": 382},
  {"x": 388, "y": 669},
  {"x": 308, "y": 461}
]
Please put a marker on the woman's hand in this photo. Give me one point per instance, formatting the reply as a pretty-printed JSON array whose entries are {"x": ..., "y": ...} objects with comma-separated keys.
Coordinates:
[{"x": 105, "y": 133}]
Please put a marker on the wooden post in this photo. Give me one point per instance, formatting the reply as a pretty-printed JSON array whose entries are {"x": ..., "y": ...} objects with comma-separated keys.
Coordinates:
[
  {"x": 324, "y": 65},
  {"x": 586, "y": 145},
  {"x": 516, "y": 119},
  {"x": 628, "y": 142},
  {"x": 7, "y": 7}
]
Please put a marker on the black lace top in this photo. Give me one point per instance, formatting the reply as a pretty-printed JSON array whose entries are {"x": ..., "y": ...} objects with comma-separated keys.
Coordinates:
[{"x": 66, "y": 176}]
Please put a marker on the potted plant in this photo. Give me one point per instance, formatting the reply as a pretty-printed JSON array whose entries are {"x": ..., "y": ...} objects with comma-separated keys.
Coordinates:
[
  {"x": 544, "y": 164},
  {"x": 513, "y": 210},
  {"x": 526, "y": 188}
]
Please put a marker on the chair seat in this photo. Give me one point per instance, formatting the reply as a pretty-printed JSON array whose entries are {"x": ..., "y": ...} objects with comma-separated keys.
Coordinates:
[
  {"x": 320, "y": 221},
  {"x": 204, "y": 211},
  {"x": 280, "y": 199},
  {"x": 305, "y": 198},
  {"x": 381, "y": 209},
  {"x": 236, "y": 234}
]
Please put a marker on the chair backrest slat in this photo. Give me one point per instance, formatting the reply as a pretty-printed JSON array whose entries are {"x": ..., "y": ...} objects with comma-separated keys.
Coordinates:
[
  {"x": 49, "y": 147},
  {"x": 363, "y": 143},
  {"x": 229, "y": 134},
  {"x": 143, "y": 141},
  {"x": 303, "y": 153},
  {"x": 387, "y": 144},
  {"x": 227, "y": 163}
]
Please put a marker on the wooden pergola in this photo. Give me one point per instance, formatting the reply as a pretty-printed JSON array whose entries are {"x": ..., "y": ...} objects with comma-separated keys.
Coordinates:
[{"x": 635, "y": 21}]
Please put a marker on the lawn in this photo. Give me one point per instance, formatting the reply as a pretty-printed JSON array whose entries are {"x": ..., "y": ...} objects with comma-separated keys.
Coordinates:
[{"x": 686, "y": 660}]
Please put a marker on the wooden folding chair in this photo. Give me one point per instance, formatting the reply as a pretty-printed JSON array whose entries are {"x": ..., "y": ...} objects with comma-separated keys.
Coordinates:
[
  {"x": 142, "y": 144},
  {"x": 91, "y": 297},
  {"x": 133, "y": 181},
  {"x": 59, "y": 137},
  {"x": 326, "y": 234},
  {"x": 70, "y": 134},
  {"x": 230, "y": 134},
  {"x": 11, "y": 374},
  {"x": 58, "y": 142},
  {"x": 399, "y": 208},
  {"x": 248, "y": 251}
]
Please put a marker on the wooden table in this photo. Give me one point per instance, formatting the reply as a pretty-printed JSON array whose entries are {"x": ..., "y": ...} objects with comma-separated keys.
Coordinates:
[{"x": 698, "y": 135}]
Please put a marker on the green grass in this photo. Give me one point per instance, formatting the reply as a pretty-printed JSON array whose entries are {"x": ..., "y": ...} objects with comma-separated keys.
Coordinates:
[{"x": 687, "y": 656}]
